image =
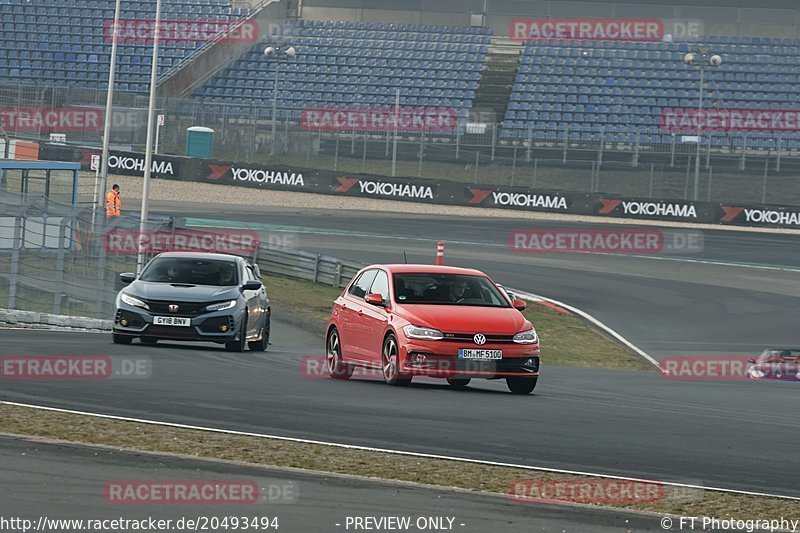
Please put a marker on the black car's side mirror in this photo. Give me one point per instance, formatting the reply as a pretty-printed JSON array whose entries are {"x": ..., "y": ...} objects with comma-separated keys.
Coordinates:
[
  {"x": 127, "y": 277},
  {"x": 251, "y": 285}
]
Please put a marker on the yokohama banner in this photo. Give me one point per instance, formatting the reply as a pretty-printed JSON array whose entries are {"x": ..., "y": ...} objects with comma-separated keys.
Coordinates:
[
  {"x": 273, "y": 177},
  {"x": 387, "y": 188},
  {"x": 443, "y": 192},
  {"x": 769, "y": 216},
  {"x": 518, "y": 198}
]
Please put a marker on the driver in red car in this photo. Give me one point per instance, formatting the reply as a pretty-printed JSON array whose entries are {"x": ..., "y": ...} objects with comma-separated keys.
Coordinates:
[{"x": 457, "y": 290}]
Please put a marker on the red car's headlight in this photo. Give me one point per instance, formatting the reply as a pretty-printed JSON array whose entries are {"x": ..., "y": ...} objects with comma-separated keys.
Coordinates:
[
  {"x": 419, "y": 332},
  {"x": 526, "y": 337}
]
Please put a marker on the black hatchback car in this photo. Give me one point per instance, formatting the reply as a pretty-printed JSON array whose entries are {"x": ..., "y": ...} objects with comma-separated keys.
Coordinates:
[{"x": 194, "y": 297}]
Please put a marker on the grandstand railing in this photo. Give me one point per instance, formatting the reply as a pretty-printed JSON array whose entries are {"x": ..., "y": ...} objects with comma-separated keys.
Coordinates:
[{"x": 637, "y": 161}]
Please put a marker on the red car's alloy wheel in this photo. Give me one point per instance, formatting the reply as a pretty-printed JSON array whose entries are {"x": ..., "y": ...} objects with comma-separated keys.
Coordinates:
[
  {"x": 390, "y": 362},
  {"x": 337, "y": 368}
]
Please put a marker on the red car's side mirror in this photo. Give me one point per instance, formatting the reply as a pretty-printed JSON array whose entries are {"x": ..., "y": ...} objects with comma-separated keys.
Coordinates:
[
  {"x": 520, "y": 305},
  {"x": 374, "y": 299}
]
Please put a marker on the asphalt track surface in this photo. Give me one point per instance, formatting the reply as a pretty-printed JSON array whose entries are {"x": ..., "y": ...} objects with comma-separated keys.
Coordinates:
[
  {"x": 301, "y": 502},
  {"x": 735, "y": 297},
  {"x": 738, "y": 299}
]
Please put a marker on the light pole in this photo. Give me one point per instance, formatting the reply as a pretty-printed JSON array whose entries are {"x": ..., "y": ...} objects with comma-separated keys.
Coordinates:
[
  {"x": 700, "y": 59},
  {"x": 269, "y": 51},
  {"x": 109, "y": 110},
  {"x": 148, "y": 150}
]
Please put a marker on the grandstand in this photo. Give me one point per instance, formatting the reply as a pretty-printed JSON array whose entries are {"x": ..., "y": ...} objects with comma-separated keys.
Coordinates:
[
  {"x": 359, "y": 64},
  {"x": 62, "y": 43},
  {"x": 585, "y": 103},
  {"x": 576, "y": 88}
]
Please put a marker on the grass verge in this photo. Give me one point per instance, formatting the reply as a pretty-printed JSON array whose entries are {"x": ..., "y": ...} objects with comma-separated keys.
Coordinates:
[
  {"x": 24, "y": 421},
  {"x": 566, "y": 340}
]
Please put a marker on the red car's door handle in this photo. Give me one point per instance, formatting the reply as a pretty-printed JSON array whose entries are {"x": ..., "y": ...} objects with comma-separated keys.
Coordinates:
[{"x": 360, "y": 312}]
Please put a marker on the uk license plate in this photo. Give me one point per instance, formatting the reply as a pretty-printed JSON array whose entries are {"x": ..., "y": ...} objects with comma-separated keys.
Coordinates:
[
  {"x": 171, "y": 321},
  {"x": 485, "y": 355}
]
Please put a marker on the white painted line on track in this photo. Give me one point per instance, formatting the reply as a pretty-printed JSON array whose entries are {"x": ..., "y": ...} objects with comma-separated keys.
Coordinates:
[
  {"x": 399, "y": 452},
  {"x": 535, "y": 297}
]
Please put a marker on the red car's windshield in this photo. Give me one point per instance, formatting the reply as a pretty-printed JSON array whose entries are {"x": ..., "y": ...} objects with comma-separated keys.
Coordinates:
[{"x": 447, "y": 289}]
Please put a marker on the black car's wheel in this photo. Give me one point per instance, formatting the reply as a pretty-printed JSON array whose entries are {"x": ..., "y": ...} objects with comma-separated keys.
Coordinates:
[
  {"x": 239, "y": 345},
  {"x": 457, "y": 383},
  {"x": 261, "y": 344},
  {"x": 121, "y": 339},
  {"x": 337, "y": 368},
  {"x": 521, "y": 385},
  {"x": 390, "y": 362},
  {"x": 148, "y": 340}
]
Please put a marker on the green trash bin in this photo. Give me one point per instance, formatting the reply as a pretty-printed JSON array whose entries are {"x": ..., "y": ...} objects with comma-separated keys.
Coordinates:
[{"x": 199, "y": 142}]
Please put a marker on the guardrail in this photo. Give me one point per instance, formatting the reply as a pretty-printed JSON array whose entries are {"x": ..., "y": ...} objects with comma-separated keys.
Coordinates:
[{"x": 299, "y": 264}]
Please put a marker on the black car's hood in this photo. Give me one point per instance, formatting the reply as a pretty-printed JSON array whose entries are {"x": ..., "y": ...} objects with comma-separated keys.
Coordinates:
[{"x": 151, "y": 290}]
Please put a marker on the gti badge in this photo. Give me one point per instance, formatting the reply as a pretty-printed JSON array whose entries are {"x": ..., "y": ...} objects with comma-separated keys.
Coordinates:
[
  {"x": 479, "y": 338},
  {"x": 173, "y": 308}
]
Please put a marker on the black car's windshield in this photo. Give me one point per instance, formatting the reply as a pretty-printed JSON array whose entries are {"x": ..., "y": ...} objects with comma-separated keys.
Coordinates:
[
  {"x": 185, "y": 270},
  {"x": 447, "y": 289}
]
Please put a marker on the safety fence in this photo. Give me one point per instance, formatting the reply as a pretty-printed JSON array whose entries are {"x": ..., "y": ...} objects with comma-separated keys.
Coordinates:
[
  {"x": 753, "y": 167},
  {"x": 57, "y": 262}
]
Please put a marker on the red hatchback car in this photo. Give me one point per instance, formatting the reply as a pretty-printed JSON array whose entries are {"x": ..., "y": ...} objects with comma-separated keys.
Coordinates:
[{"x": 443, "y": 322}]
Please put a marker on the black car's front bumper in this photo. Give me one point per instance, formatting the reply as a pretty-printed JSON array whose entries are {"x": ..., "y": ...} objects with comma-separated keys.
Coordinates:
[{"x": 220, "y": 326}]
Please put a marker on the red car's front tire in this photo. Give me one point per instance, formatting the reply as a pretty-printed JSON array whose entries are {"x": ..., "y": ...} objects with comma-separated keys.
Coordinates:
[
  {"x": 390, "y": 363},
  {"x": 337, "y": 368}
]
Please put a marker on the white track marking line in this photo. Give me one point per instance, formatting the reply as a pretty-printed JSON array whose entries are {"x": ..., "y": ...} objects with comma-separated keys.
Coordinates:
[
  {"x": 535, "y": 297},
  {"x": 399, "y": 452}
]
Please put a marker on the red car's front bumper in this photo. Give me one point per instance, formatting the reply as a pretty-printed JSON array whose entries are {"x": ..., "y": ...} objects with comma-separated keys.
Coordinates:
[{"x": 441, "y": 359}]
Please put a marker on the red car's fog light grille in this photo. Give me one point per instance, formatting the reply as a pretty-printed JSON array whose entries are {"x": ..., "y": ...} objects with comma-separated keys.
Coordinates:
[
  {"x": 470, "y": 338},
  {"x": 420, "y": 359}
]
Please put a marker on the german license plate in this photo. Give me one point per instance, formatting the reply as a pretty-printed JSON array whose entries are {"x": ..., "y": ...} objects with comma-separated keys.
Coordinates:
[
  {"x": 171, "y": 321},
  {"x": 486, "y": 355}
]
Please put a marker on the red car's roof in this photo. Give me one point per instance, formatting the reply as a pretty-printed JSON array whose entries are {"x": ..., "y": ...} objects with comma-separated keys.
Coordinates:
[{"x": 429, "y": 269}]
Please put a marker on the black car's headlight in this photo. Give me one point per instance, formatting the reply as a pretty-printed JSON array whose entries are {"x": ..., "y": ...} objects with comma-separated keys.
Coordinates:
[
  {"x": 133, "y": 301},
  {"x": 526, "y": 337},
  {"x": 222, "y": 306}
]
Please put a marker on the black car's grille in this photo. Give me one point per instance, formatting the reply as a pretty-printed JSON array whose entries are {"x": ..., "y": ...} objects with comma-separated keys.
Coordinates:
[
  {"x": 187, "y": 309},
  {"x": 469, "y": 338}
]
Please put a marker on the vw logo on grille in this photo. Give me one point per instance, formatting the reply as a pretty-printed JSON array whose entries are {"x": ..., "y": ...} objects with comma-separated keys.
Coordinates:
[
  {"x": 173, "y": 308},
  {"x": 479, "y": 339}
]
